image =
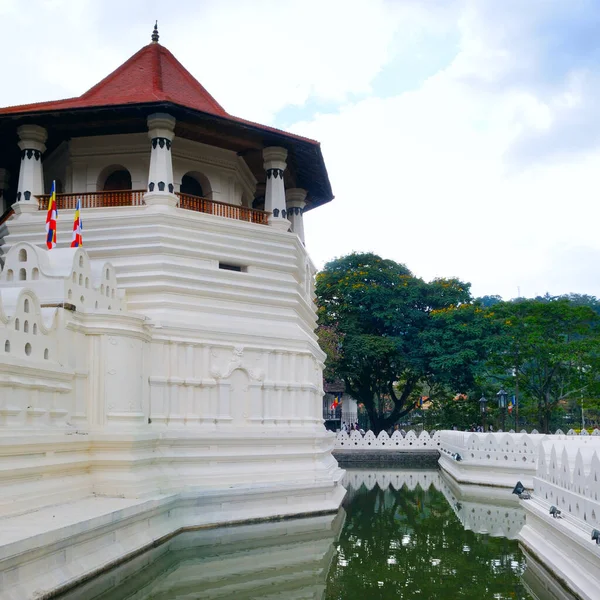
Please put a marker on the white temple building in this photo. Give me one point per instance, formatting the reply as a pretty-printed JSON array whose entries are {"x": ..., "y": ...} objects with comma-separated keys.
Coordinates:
[{"x": 166, "y": 374}]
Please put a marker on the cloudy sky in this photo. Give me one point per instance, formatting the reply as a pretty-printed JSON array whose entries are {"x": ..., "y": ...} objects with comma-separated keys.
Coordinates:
[{"x": 462, "y": 137}]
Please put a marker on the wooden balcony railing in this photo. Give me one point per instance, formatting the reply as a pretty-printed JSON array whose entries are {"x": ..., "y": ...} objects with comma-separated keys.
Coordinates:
[
  {"x": 95, "y": 199},
  {"x": 220, "y": 209},
  {"x": 136, "y": 198}
]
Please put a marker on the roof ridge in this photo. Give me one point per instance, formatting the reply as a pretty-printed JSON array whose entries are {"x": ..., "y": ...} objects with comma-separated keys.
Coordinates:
[
  {"x": 157, "y": 81},
  {"x": 114, "y": 73},
  {"x": 191, "y": 79}
]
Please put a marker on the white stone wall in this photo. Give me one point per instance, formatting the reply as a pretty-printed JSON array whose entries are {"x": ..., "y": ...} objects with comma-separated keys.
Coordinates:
[
  {"x": 212, "y": 372},
  {"x": 213, "y": 385},
  {"x": 498, "y": 449},
  {"x": 498, "y": 459},
  {"x": 568, "y": 479},
  {"x": 214, "y": 332},
  {"x": 175, "y": 381},
  {"x": 59, "y": 312}
]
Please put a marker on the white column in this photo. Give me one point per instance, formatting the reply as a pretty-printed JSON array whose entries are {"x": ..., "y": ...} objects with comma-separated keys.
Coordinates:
[
  {"x": 31, "y": 175},
  {"x": 296, "y": 201},
  {"x": 275, "y": 165},
  {"x": 160, "y": 176},
  {"x": 4, "y": 177}
]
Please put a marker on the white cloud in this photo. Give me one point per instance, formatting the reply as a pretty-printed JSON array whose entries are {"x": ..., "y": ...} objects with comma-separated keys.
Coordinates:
[
  {"x": 270, "y": 54},
  {"x": 428, "y": 178},
  {"x": 486, "y": 170},
  {"x": 254, "y": 57}
]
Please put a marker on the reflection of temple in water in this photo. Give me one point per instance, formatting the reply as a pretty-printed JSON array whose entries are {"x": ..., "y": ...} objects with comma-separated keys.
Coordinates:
[
  {"x": 268, "y": 561},
  {"x": 293, "y": 559},
  {"x": 481, "y": 510}
]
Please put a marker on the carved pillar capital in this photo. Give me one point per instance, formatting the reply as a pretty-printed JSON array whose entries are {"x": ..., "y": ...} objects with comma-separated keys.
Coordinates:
[
  {"x": 296, "y": 201},
  {"x": 32, "y": 140}
]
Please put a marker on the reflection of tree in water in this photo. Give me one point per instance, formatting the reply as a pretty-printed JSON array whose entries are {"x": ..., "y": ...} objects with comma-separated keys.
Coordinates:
[{"x": 409, "y": 544}]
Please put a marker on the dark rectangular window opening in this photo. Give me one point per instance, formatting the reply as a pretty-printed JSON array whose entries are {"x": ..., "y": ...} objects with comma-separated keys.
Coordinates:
[{"x": 228, "y": 267}]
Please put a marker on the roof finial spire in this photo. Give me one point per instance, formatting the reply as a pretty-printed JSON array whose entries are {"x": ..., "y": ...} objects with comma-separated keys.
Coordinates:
[{"x": 155, "y": 33}]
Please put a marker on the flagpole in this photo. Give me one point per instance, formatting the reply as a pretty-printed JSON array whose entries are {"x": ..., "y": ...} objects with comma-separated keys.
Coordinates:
[
  {"x": 51, "y": 219},
  {"x": 517, "y": 402}
]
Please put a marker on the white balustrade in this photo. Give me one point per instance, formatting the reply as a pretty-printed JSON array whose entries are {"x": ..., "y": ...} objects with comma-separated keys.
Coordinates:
[
  {"x": 568, "y": 477},
  {"x": 564, "y": 511},
  {"x": 508, "y": 449},
  {"x": 483, "y": 448},
  {"x": 411, "y": 441},
  {"x": 500, "y": 459}
]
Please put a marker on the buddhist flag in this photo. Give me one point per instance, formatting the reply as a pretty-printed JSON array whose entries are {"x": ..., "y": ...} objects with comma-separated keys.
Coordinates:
[
  {"x": 336, "y": 402},
  {"x": 510, "y": 407},
  {"x": 51, "y": 219},
  {"x": 77, "y": 226}
]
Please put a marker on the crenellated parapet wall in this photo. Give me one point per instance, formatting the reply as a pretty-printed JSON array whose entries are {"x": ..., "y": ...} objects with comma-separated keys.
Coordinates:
[
  {"x": 564, "y": 510},
  {"x": 46, "y": 305},
  {"x": 501, "y": 459},
  {"x": 355, "y": 440},
  {"x": 568, "y": 476},
  {"x": 63, "y": 275},
  {"x": 496, "y": 459},
  {"x": 502, "y": 448}
]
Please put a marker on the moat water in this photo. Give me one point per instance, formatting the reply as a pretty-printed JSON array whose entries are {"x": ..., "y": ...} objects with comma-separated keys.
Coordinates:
[{"x": 401, "y": 534}]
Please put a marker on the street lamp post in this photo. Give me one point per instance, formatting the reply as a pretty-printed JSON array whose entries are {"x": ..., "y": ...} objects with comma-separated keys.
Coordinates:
[
  {"x": 482, "y": 406},
  {"x": 502, "y": 405}
]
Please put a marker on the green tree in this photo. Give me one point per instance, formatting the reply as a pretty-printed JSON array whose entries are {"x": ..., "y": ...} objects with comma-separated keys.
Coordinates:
[
  {"x": 550, "y": 347},
  {"x": 488, "y": 301},
  {"x": 389, "y": 339}
]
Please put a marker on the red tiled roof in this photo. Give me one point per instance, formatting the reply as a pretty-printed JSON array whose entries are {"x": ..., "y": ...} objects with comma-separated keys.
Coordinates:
[{"x": 152, "y": 74}]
